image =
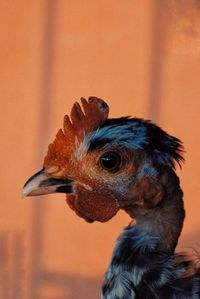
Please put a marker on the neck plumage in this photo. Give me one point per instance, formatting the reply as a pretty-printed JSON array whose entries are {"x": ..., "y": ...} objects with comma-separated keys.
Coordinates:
[
  {"x": 164, "y": 221},
  {"x": 143, "y": 264}
]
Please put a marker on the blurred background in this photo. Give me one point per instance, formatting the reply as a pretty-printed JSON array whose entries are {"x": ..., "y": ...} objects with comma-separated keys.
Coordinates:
[{"x": 143, "y": 57}]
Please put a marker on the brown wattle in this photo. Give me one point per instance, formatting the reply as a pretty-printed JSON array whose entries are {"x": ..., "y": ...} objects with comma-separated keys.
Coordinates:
[{"x": 92, "y": 206}]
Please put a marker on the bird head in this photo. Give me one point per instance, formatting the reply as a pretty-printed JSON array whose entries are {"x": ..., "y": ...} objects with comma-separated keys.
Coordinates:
[{"x": 105, "y": 164}]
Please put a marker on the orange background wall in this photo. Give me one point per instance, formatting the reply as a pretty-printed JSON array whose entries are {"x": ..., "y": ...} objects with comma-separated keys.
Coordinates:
[{"x": 143, "y": 57}]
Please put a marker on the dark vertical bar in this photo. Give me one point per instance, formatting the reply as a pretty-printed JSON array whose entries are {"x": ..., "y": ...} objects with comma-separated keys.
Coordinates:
[
  {"x": 45, "y": 94},
  {"x": 18, "y": 266},
  {"x": 5, "y": 283},
  {"x": 157, "y": 63}
]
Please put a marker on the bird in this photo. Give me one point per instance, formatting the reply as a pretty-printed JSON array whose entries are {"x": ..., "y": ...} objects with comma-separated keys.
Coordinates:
[{"x": 104, "y": 165}]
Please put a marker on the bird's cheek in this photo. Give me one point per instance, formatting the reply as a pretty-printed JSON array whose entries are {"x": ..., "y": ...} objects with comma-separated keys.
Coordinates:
[{"x": 93, "y": 206}]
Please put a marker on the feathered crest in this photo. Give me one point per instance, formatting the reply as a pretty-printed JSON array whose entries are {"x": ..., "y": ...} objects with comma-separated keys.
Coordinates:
[
  {"x": 164, "y": 148},
  {"x": 80, "y": 123},
  {"x": 141, "y": 134}
]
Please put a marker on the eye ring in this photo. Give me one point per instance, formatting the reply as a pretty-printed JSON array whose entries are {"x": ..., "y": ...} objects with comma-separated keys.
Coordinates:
[{"x": 111, "y": 161}]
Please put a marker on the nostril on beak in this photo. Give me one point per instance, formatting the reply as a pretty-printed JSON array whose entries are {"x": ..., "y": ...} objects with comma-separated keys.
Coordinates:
[{"x": 52, "y": 169}]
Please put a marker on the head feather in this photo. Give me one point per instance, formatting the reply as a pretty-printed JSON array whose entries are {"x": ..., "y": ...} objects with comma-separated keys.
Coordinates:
[{"x": 139, "y": 134}]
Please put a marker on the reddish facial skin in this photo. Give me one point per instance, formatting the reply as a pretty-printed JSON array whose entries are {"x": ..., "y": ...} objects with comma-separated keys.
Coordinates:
[{"x": 91, "y": 205}]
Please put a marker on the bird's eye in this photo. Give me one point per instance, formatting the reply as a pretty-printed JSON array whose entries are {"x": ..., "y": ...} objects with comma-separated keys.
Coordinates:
[{"x": 111, "y": 161}]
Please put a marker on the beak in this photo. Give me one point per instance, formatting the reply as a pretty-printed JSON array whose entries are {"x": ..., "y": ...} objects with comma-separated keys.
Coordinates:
[{"x": 40, "y": 184}]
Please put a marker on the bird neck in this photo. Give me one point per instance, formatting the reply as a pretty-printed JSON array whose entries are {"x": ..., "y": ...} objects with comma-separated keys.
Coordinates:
[{"x": 165, "y": 221}]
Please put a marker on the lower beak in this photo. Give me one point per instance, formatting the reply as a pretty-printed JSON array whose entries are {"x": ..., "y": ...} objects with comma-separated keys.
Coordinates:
[{"x": 40, "y": 184}]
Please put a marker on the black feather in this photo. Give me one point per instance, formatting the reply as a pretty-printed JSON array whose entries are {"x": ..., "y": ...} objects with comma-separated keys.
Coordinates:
[{"x": 160, "y": 146}]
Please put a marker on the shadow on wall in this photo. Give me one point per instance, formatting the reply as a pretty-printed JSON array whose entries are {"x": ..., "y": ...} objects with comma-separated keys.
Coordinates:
[{"x": 49, "y": 284}]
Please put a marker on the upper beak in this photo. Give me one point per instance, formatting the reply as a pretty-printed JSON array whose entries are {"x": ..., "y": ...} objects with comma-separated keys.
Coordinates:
[{"x": 40, "y": 184}]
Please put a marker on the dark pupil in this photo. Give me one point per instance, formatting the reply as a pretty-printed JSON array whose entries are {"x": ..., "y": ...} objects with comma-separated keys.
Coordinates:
[{"x": 111, "y": 161}]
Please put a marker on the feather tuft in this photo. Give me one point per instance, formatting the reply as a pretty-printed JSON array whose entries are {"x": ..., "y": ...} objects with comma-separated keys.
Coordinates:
[{"x": 82, "y": 121}]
